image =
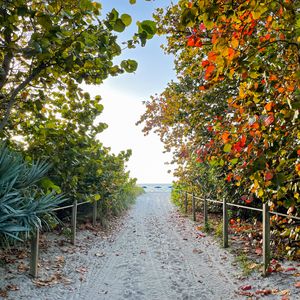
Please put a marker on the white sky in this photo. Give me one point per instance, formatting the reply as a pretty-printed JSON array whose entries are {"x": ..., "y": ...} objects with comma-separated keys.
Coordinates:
[{"x": 122, "y": 98}]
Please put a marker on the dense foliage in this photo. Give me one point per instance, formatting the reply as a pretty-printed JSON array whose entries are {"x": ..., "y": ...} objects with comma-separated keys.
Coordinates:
[
  {"x": 235, "y": 106},
  {"x": 22, "y": 202},
  {"x": 47, "y": 50}
]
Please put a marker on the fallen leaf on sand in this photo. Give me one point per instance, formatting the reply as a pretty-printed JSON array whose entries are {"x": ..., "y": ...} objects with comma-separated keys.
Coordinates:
[
  {"x": 59, "y": 259},
  {"x": 3, "y": 293},
  {"x": 81, "y": 270},
  {"x": 284, "y": 293},
  {"x": 263, "y": 292},
  {"x": 197, "y": 251},
  {"x": 52, "y": 280},
  {"x": 245, "y": 293},
  {"x": 253, "y": 266},
  {"x": 290, "y": 269},
  {"x": 100, "y": 254},
  {"x": 297, "y": 284},
  {"x": 22, "y": 267},
  {"x": 258, "y": 251},
  {"x": 12, "y": 287},
  {"x": 246, "y": 287}
]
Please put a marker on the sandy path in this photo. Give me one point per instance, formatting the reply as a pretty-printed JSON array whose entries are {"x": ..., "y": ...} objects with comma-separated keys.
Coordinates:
[{"x": 159, "y": 255}]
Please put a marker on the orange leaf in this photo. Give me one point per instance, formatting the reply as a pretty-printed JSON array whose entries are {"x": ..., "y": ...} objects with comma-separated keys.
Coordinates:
[
  {"x": 225, "y": 137},
  {"x": 212, "y": 56},
  {"x": 273, "y": 77},
  {"x": 231, "y": 53},
  {"x": 269, "y": 106},
  {"x": 209, "y": 71}
]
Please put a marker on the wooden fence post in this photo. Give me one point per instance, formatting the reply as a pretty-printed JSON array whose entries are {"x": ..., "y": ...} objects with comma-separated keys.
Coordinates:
[
  {"x": 95, "y": 213},
  {"x": 225, "y": 223},
  {"x": 186, "y": 202},
  {"x": 34, "y": 253},
  {"x": 74, "y": 222},
  {"x": 205, "y": 212},
  {"x": 266, "y": 238},
  {"x": 194, "y": 207}
]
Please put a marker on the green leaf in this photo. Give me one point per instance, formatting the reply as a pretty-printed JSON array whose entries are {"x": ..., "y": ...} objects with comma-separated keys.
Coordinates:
[
  {"x": 97, "y": 197},
  {"x": 132, "y": 1},
  {"x": 234, "y": 161},
  {"x": 129, "y": 65},
  {"x": 148, "y": 26},
  {"x": 126, "y": 19},
  {"x": 119, "y": 26},
  {"x": 227, "y": 148}
]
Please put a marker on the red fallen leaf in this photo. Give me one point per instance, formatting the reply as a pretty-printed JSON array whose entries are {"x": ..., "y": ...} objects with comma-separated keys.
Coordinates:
[
  {"x": 297, "y": 284},
  {"x": 246, "y": 287},
  {"x": 263, "y": 292},
  {"x": 242, "y": 293},
  {"x": 258, "y": 251},
  {"x": 290, "y": 269},
  {"x": 248, "y": 201}
]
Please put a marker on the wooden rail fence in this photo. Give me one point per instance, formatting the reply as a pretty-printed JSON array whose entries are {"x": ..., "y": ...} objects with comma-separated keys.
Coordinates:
[
  {"x": 266, "y": 214},
  {"x": 34, "y": 258}
]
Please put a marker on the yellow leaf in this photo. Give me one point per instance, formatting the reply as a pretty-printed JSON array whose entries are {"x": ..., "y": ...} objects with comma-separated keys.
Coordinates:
[{"x": 234, "y": 43}]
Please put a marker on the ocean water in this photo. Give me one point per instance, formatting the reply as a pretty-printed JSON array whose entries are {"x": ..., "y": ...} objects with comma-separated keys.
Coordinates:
[{"x": 156, "y": 187}]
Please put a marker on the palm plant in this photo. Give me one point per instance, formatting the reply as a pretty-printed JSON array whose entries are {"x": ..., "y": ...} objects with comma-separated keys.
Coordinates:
[{"x": 22, "y": 202}]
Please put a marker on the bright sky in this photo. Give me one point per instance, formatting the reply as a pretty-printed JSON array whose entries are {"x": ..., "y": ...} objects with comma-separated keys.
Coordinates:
[{"x": 123, "y": 95}]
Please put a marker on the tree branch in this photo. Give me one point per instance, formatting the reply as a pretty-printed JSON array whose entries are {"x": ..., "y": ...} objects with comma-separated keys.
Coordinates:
[{"x": 14, "y": 93}]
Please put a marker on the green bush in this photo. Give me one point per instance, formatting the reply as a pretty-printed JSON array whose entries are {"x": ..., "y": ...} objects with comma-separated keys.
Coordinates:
[{"x": 22, "y": 203}]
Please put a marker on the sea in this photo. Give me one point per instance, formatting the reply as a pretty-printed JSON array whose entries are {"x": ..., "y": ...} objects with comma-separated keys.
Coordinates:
[{"x": 156, "y": 187}]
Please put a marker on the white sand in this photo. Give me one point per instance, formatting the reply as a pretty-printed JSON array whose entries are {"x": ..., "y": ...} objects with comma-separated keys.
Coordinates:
[{"x": 157, "y": 254}]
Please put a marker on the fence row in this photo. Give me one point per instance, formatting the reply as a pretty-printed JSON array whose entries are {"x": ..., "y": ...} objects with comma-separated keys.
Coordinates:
[
  {"x": 34, "y": 259},
  {"x": 266, "y": 213}
]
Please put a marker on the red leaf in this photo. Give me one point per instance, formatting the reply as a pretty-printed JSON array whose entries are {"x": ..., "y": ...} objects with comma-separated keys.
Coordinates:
[
  {"x": 198, "y": 43},
  {"x": 243, "y": 140},
  {"x": 258, "y": 251},
  {"x": 205, "y": 63},
  {"x": 290, "y": 269},
  {"x": 246, "y": 287},
  {"x": 263, "y": 292},
  {"x": 191, "y": 41},
  {"x": 297, "y": 284},
  {"x": 202, "y": 27},
  {"x": 268, "y": 176}
]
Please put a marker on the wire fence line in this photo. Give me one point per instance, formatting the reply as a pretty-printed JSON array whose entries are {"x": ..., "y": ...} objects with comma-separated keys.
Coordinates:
[
  {"x": 34, "y": 257},
  {"x": 266, "y": 214}
]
